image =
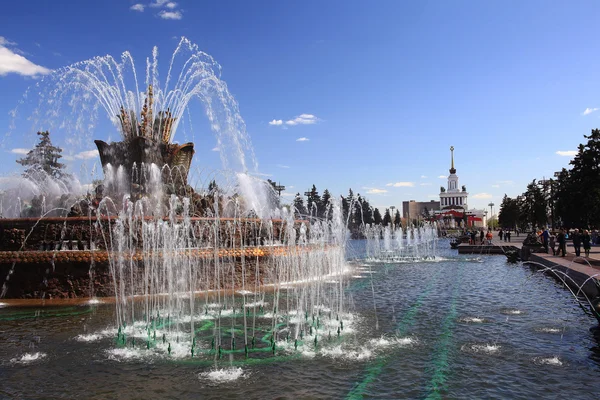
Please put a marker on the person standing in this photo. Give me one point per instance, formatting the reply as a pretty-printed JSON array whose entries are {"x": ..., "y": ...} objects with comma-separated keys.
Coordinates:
[
  {"x": 481, "y": 235},
  {"x": 553, "y": 243},
  {"x": 507, "y": 235},
  {"x": 586, "y": 240},
  {"x": 562, "y": 243},
  {"x": 500, "y": 233},
  {"x": 577, "y": 242},
  {"x": 545, "y": 237}
]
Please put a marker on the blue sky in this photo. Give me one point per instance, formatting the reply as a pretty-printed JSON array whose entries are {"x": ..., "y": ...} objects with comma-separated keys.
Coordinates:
[{"x": 378, "y": 90}]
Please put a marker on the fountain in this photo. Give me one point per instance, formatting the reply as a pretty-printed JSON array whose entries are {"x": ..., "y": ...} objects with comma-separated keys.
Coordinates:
[
  {"x": 395, "y": 244},
  {"x": 205, "y": 287}
]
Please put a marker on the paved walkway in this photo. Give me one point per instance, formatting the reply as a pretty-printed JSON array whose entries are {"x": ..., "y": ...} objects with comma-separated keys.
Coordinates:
[{"x": 593, "y": 260}]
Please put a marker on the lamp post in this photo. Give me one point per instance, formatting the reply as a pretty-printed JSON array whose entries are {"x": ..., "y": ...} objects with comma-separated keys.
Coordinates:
[{"x": 492, "y": 213}]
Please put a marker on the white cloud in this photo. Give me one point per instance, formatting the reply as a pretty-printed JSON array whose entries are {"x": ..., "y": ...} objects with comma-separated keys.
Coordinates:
[
  {"x": 376, "y": 191},
  {"x": 302, "y": 139},
  {"x": 5, "y": 42},
  {"x": 401, "y": 184},
  {"x": 215, "y": 149},
  {"x": 20, "y": 151},
  {"x": 10, "y": 61},
  {"x": 303, "y": 119},
  {"x": 588, "y": 111},
  {"x": 567, "y": 153},
  {"x": 170, "y": 14},
  {"x": 171, "y": 5},
  {"x": 137, "y": 7},
  {"x": 85, "y": 155},
  {"x": 442, "y": 176},
  {"x": 495, "y": 186},
  {"x": 482, "y": 196},
  {"x": 283, "y": 166},
  {"x": 425, "y": 184},
  {"x": 158, "y": 3},
  {"x": 276, "y": 122},
  {"x": 423, "y": 177}
]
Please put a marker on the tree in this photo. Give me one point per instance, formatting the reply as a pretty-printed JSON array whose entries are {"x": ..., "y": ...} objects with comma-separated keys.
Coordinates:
[
  {"x": 43, "y": 160},
  {"x": 313, "y": 201},
  {"x": 397, "y": 219},
  {"x": 387, "y": 218},
  {"x": 508, "y": 216},
  {"x": 533, "y": 207},
  {"x": 578, "y": 189},
  {"x": 325, "y": 198},
  {"x": 299, "y": 208},
  {"x": 377, "y": 217}
]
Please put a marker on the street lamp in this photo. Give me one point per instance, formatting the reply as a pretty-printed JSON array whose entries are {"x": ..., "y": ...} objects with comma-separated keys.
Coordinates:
[{"x": 492, "y": 213}]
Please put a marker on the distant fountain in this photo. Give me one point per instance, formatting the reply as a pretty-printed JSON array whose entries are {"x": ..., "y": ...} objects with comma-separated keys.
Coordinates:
[{"x": 395, "y": 244}]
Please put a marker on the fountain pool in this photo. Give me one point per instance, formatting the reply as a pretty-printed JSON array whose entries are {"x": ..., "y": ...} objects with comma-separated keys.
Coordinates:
[{"x": 454, "y": 328}]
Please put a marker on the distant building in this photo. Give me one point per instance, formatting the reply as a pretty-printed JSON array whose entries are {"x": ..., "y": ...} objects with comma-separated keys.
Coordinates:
[
  {"x": 453, "y": 203},
  {"x": 419, "y": 209}
]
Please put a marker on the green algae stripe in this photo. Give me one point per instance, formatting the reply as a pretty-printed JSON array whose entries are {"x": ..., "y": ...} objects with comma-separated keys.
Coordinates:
[
  {"x": 440, "y": 365},
  {"x": 374, "y": 369},
  {"x": 45, "y": 314}
]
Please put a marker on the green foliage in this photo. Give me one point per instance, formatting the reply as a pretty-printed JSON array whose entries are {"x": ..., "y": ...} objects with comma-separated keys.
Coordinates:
[
  {"x": 577, "y": 191},
  {"x": 299, "y": 207},
  {"x": 42, "y": 160},
  {"x": 377, "y": 219},
  {"x": 509, "y": 214}
]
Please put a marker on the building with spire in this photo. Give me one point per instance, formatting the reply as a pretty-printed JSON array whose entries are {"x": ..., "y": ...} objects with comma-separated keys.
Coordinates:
[
  {"x": 453, "y": 197},
  {"x": 454, "y": 202}
]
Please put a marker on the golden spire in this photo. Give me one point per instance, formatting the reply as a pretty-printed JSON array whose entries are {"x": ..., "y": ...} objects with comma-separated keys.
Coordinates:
[{"x": 452, "y": 169}]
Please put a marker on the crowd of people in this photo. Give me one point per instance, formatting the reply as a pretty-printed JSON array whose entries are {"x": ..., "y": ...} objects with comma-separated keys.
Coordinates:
[
  {"x": 554, "y": 241},
  {"x": 557, "y": 241}
]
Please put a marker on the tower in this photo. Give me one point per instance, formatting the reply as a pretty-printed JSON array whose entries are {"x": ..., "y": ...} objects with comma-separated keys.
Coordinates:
[{"x": 453, "y": 197}]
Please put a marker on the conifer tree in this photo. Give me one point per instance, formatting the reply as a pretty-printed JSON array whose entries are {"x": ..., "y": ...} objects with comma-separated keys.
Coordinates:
[
  {"x": 42, "y": 160},
  {"x": 377, "y": 217},
  {"x": 299, "y": 208}
]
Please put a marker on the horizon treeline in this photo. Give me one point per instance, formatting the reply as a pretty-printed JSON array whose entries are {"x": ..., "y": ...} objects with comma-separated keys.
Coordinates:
[{"x": 356, "y": 209}]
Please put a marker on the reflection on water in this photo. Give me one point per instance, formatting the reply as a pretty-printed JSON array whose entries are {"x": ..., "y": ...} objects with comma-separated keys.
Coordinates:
[{"x": 449, "y": 329}]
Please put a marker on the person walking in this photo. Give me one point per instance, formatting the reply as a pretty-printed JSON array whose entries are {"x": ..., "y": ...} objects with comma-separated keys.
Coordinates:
[
  {"x": 481, "y": 235},
  {"x": 507, "y": 235},
  {"x": 586, "y": 240},
  {"x": 562, "y": 243},
  {"x": 576, "y": 236}
]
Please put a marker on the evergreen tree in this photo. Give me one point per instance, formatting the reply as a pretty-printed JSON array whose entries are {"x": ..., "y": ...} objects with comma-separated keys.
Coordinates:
[
  {"x": 347, "y": 204},
  {"x": 578, "y": 190},
  {"x": 325, "y": 198},
  {"x": 397, "y": 219},
  {"x": 313, "y": 201},
  {"x": 299, "y": 208},
  {"x": 508, "y": 217},
  {"x": 367, "y": 211},
  {"x": 358, "y": 212},
  {"x": 387, "y": 218},
  {"x": 42, "y": 160},
  {"x": 377, "y": 217},
  {"x": 533, "y": 206}
]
